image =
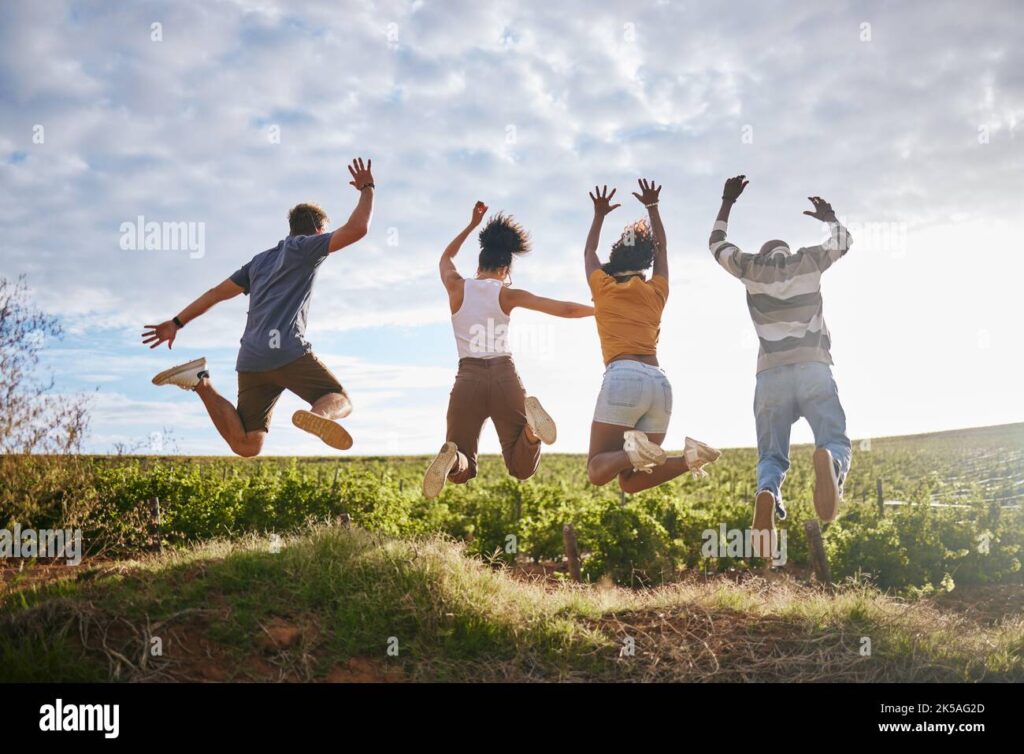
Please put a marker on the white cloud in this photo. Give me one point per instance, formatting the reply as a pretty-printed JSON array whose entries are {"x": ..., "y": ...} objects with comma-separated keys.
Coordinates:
[{"x": 525, "y": 105}]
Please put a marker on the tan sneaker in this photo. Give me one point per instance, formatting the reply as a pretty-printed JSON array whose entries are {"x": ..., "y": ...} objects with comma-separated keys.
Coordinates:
[
  {"x": 540, "y": 421},
  {"x": 698, "y": 455},
  {"x": 439, "y": 469},
  {"x": 764, "y": 511},
  {"x": 826, "y": 486},
  {"x": 186, "y": 376},
  {"x": 327, "y": 430},
  {"x": 643, "y": 454}
]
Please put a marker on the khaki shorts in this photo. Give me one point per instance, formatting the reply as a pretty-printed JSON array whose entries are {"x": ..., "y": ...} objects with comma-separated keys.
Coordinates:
[{"x": 307, "y": 377}]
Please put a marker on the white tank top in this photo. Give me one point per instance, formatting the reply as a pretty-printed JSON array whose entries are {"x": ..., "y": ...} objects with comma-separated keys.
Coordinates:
[{"x": 481, "y": 327}]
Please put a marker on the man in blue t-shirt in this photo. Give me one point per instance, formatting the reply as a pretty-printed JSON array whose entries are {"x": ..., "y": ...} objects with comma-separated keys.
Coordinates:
[{"x": 274, "y": 354}]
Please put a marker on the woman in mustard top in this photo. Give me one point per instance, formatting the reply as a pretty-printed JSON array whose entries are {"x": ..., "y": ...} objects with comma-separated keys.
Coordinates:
[{"x": 635, "y": 403}]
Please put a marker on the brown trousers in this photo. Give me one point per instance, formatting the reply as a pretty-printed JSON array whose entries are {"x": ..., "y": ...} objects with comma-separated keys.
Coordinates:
[{"x": 490, "y": 389}]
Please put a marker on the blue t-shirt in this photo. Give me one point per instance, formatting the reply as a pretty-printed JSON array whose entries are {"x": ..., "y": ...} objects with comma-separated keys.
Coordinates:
[{"x": 279, "y": 283}]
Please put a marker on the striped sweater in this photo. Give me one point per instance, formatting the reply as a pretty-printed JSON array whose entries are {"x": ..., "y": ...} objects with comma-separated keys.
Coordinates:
[{"x": 784, "y": 296}]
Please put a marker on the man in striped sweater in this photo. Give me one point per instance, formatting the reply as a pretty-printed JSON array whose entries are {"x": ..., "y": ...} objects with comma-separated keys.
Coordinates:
[{"x": 794, "y": 376}]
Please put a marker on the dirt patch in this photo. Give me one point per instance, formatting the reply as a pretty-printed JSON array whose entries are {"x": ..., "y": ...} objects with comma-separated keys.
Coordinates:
[
  {"x": 278, "y": 634},
  {"x": 691, "y": 644},
  {"x": 364, "y": 670},
  {"x": 985, "y": 604}
]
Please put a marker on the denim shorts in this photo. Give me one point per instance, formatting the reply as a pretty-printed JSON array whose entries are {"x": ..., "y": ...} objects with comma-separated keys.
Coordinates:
[{"x": 635, "y": 395}]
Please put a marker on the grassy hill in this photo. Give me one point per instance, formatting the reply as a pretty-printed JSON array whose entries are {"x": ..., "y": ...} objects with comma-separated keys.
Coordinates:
[
  {"x": 254, "y": 584},
  {"x": 325, "y": 604}
]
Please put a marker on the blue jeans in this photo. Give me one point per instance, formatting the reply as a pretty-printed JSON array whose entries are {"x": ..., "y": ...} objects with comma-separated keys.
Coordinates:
[{"x": 783, "y": 395}]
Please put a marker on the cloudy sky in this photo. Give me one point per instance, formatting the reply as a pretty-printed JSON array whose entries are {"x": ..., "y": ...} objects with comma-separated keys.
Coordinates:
[{"x": 906, "y": 116}]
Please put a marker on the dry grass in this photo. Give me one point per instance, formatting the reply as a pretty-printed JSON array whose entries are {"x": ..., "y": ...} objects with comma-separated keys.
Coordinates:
[{"x": 326, "y": 606}]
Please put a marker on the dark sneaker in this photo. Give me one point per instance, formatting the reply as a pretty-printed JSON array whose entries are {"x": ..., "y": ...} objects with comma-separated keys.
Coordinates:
[
  {"x": 826, "y": 486},
  {"x": 763, "y": 527},
  {"x": 764, "y": 510}
]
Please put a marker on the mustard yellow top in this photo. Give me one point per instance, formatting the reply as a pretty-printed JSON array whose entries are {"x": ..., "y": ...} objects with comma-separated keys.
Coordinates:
[{"x": 628, "y": 314}]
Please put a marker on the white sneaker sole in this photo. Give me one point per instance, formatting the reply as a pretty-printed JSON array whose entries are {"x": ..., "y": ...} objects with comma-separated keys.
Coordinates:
[
  {"x": 438, "y": 470},
  {"x": 329, "y": 431},
  {"x": 540, "y": 421},
  {"x": 164, "y": 377},
  {"x": 826, "y": 486}
]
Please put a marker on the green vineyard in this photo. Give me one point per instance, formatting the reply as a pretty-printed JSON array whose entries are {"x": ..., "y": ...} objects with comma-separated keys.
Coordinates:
[{"x": 925, "y": 512}]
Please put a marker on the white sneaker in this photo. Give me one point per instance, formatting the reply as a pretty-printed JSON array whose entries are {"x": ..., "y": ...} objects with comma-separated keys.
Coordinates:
[
  {"x": 185, "y": 376},
  {"x": 439, "y": 469},
  {"x": 697, "y": 455},
  {"x": 540, "y": 421},
  {"x": 643, "y": 454}
]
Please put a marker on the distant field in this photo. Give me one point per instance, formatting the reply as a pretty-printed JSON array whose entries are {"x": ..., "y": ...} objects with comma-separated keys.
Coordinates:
[{"x": 951, "y": 510}]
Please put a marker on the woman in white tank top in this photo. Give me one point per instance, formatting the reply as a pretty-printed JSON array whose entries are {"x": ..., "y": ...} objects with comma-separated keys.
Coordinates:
[{"x": 487, "y": 385}]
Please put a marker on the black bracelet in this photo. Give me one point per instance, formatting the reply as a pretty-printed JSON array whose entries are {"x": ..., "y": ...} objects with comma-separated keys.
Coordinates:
[
  {"x": 178, "y": 322},
  {"x": 366, "y": 186},
  {"x": 727, "y": 199}
]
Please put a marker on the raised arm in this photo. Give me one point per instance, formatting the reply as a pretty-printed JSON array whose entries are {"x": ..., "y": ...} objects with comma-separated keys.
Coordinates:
[
  {"x": 450, "y": 275},
  {"x": 649, "y": 197},
  {"x": 359, "y": 221},
  {"x": 167, "y": 331},
  {"x": 727, "y": 254},
  {"x": 513, "y": 297},
  {"x": 839, "y": 240},
  {"x": 602, "y": 206}
]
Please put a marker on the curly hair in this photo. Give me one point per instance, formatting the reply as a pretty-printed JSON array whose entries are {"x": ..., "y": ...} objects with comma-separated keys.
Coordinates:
[
  {"x": 307, "y": 219},
  {"x": 634, "y": 249},
  {"x": 501, "y": 240}
]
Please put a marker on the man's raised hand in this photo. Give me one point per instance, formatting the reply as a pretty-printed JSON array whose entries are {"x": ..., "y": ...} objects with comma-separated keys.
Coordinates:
[
  {"x": 602, "y": 201},
  {"x": 361, "y": 175},
  {"x": 479, "y": 210},
  {"x": 734, "y": 187},
  {"x": 157, "y": 334},
  {"x": 822, "y": 210},
  {"x": 648, "y": 192}
]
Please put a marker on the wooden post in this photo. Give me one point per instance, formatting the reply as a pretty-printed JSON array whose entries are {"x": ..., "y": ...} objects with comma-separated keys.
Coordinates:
[
  {"x": 572, "y": 553},
  {"x": 816, "y": 549},
  {"x": 155, "y": 535},
  {"x": 622, "y": 497},
  {"x": 881, "y": 498},
  {"x": 336, "y": 472}
]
